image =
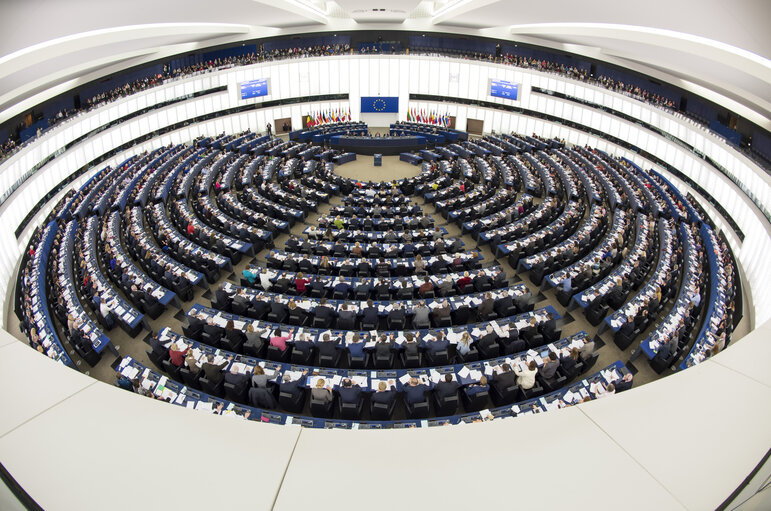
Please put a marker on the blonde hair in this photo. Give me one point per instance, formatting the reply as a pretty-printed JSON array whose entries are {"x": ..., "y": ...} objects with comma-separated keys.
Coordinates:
[
  {"x": 381, "y": 385},
  {"x": 320, "y": 383},
  {"x": 483, "y": 380}
]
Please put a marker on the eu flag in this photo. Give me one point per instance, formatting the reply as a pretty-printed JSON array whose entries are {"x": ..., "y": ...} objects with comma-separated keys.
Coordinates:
[{"x": 379, "y": 104}]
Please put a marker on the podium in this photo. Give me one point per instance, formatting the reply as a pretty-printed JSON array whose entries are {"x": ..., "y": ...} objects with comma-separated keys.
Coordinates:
[{"x": 378, "y": 160}]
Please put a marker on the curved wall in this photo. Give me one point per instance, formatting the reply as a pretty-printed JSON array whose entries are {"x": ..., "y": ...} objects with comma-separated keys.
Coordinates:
[
  {"x": 595, "y": 452},
  {"x": 400, "y": 76}
]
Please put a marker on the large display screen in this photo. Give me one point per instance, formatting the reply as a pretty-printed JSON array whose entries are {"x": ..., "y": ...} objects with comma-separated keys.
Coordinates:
[
  {"x": 254, "y": 88},
  {"x": 502, "y": 89}
]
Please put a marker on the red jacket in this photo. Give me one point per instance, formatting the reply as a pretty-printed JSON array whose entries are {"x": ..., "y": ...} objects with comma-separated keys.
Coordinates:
[
  {"x": 178, "y": 357},
  {"x": 300, "y": 284}
]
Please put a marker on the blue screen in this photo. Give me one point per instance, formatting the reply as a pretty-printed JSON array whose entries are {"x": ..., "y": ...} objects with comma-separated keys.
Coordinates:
[
  {"x": 506, "y": 90},
  {"x": 254, "y": 88}
]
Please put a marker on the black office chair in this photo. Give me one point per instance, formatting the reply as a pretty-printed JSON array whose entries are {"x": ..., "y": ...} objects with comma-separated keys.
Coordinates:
[
  {"x": 397, "y": 323},
  {"x": 321, "y": 408},
  {"x": 304, "y": 358},
  {"x": 471, "y": 356},
  {"x": 277, "y": 317},
  {"x": 445, "y": 406},
  {"x": 358, "y": 362},
  {"x": 531, "y": 393},
  {"x": 276, "y": 355},
  {"x": 298, "y": 317},
  {"x": 553, "y": 384},
  {"x": 438, "y": 358},
  {"x": 171, "y": 370},
  {"x": 410, "y": 360},
  {"x": 384, "y": 361},
  {"x": 291, "y": 402},
  {"x": 330, "y": 360},
  {"x": 236, "y": 394},
  {"x": 419, "y": 410},
  {"x": 346, "y": 323},
  {"x": 476, "y": 401},
  {"x": 188, "y": 378},
  {"x": 381, "y": 411},
  {"x": 369, "y": 325},
  {"x": 156, "y": 359},
  {"x": 351, "y": 411},
  {"x": 321, "y": 322},
  {"x": 504, "y": 396},
  {"x": 214, "y": 389}
]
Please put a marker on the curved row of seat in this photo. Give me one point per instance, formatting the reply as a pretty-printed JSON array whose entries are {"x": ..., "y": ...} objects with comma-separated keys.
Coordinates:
[{"x": 173, "y": 218}]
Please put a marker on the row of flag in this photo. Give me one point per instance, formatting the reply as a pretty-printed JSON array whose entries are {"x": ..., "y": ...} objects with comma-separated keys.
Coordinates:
[
  {"x": 328, "y": 116},
  {"x": 416, "y": 115}
]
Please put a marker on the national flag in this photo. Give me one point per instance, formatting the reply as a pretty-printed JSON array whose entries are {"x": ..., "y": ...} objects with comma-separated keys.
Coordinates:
[{"x": 309, "y": 121}]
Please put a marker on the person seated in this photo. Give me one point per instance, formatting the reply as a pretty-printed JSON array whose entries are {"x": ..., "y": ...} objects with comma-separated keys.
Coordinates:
[
  {"x": 549, "y": 370},
  {"x": 236, "y": 337},
  {"x": 526, "y": 375},
  {"x": 349, "y": 393},
  {"x": 328, "y": 347},
  {"x": 505, "y": 379},
  {"x": 212, "y": 371},
  {"x": 587, "y": 350},
  {"x": 476, "y": 388},
  {"x": 300, "y": 283},
  {"x": 278, "y": 340},
  {"x": 324, "y": 312},
  {"x": 238, "y": 380},
  {"x": 463, "y": 346},
  {"x": 414, "y": 391},
  {"x": 356, "y": 347},
  {"x": 191, "y": 363},
  {"x": 446, "y": 388},
  {"x": 426, "y": 287},
  {"x": 278, "y": 308},
  {"x": 421, "y": 318},
  {"x": 568, "y": 364},
  {"x": 293, "y": 387},
  {"x": 346, "y": 318},
  {"x": 384, "y": 345},
  {"x": 322, "y": 392},
  {"x": 437, "y": 344},
  {"x": 487, "y": 306},
  {"x": 303, "y": 345},
  {"x": 177, "y": 356},
  {"x": 385, "y": 393},
  {"x": 370, "y": 314},
  {"x": 259, "y": 378}
]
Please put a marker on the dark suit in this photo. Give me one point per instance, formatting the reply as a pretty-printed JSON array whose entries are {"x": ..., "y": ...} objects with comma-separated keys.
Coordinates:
[
  {"x": 213, "y": 372},
  {"x": 293, "y": 387},
  {"x": 350, "y": 394},
  {"x": 416, "y": 394},
  {"x": 239, "y": 381},
  {"x": 369, "y": 315},
  {"x": 325, "y": 313},
  {"x": 195, "y": 326},
  {"x": 486, "y": 307},
  {"x": 505, "y": 380},
  {"x": 445, "y": 389},
  {"x": 385, "y": 397}
]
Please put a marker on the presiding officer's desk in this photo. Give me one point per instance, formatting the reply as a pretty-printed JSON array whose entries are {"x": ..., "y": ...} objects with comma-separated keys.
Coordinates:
[{"x": 379, "y": 145}]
